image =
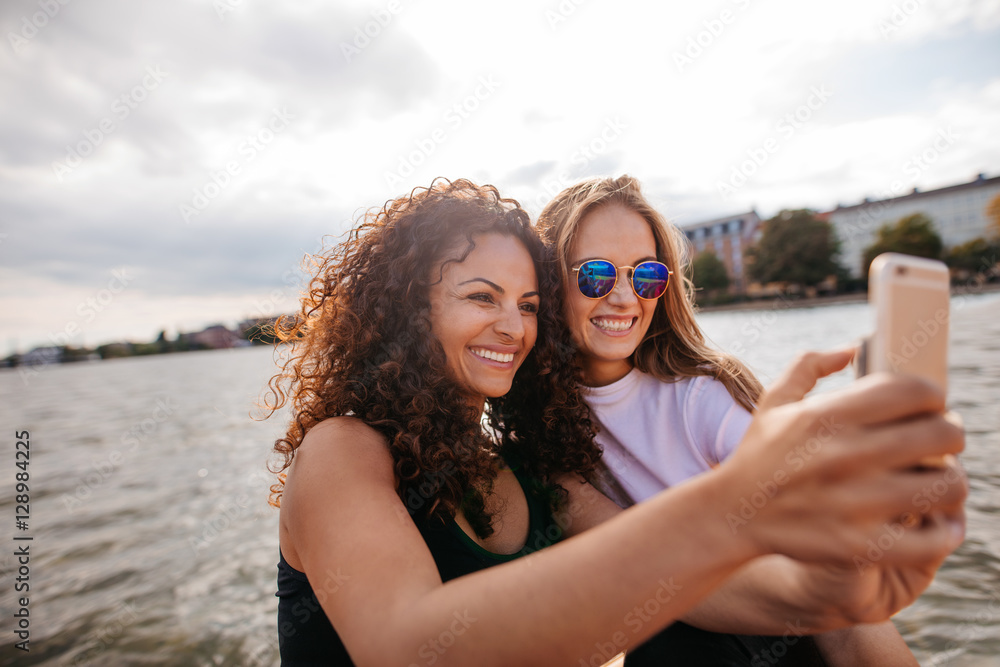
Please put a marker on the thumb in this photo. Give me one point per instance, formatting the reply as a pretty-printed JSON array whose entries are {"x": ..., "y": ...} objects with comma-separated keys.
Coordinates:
[{"x": 799, "y": 378}]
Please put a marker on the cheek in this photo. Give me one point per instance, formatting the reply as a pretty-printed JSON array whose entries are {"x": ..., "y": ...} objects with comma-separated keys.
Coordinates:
[
  {"x": 574, "y": 319},
  {"x": 446, "y": 327},
  {"x": 577, "y": 307},
  {"x": 530, "y": 332},
  {"x": 648, "y": 309}
]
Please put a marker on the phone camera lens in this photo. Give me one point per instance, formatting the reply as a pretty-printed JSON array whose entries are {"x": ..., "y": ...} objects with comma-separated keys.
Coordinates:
[{"x": 900, "y": 270}]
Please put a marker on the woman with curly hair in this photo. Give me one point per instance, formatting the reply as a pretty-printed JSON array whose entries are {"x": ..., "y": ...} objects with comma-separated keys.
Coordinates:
[{"x": 432, "y": 493}]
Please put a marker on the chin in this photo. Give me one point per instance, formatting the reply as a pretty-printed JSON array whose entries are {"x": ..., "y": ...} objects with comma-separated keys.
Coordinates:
[
  {"x": 491, "y": 389},
  {"x": 620, "y": 352}
]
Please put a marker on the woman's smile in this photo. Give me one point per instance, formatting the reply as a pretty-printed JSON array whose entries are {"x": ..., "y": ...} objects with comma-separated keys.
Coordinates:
[
  {"x": 614, "y": 326},
  {"x": 500, "y": 358}
]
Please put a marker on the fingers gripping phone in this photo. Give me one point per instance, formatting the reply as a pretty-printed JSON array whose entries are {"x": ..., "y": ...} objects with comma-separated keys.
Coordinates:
[{"x": 910, "y": 296}]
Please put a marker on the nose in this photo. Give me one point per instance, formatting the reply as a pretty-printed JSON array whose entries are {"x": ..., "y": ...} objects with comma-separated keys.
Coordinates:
[
  {"x": 623, "y": 294},
  {"x": 511, "y": 322}
]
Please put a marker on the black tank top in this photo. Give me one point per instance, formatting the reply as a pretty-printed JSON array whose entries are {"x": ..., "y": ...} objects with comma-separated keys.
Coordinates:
[{"x": 307, "y": 638}]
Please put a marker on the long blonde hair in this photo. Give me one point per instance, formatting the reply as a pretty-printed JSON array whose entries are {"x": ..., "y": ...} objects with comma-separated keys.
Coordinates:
[{"x": 674, "y": 347}]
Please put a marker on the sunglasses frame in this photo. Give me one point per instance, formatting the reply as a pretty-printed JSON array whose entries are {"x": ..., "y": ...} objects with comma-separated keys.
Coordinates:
[{"x": 631, "y": 278}]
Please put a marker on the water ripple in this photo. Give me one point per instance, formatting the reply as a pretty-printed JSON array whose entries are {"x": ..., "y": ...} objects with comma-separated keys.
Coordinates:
[{"x": 155, "y": 544}]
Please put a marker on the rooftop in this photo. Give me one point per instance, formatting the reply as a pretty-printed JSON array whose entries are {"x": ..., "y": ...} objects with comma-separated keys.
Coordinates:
[
  {"x": 978, "y": 182},
  {"x": 715, "y": 221}
]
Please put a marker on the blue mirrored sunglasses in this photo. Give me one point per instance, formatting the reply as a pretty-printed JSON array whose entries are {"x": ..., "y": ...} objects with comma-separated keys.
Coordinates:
[{"x": 598, "y": 277}]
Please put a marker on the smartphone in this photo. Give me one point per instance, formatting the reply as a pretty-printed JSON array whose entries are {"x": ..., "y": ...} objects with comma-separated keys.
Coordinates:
[{"x": 910, "y": 296}]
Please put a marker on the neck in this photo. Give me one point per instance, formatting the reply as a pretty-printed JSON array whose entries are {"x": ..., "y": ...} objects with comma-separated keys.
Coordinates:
[{"x": 601, "y": 373}]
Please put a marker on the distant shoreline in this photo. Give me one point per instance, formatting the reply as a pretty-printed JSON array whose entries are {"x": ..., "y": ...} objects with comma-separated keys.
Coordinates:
[{"x": 818, "y": 301}]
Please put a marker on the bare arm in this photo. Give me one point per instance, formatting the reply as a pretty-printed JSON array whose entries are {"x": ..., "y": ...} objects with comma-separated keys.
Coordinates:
[
  {"x": 875, "y": 645},
  {"x": 632, "y": 575},
  {"x": 342, "y": 515},
  {"x": 773, "y": 595}
]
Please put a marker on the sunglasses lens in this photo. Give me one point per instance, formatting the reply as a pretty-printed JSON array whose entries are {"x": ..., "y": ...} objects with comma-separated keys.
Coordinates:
[
  {"x": 650, "y": 279},
  {"x": 596, "y": 278}
]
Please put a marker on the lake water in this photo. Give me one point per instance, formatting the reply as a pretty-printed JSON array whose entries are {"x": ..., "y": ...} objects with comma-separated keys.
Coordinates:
[{"x": 152, "y": 541}]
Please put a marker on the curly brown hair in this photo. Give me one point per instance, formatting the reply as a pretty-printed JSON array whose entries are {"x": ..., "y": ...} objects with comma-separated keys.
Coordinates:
[{"x": 362, "y": 346}]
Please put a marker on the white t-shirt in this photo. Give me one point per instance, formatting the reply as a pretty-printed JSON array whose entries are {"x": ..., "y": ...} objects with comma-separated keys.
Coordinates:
[{"x": 658, "y": 434}]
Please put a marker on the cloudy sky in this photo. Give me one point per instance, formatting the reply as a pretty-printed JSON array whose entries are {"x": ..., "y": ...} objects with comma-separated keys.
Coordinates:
[{"x": 165, "y": 165}]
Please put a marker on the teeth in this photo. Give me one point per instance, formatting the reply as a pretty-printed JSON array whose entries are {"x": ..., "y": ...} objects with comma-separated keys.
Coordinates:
[
  {"x": 612, "y": 325},
  {"x": 494, "y": 356}
]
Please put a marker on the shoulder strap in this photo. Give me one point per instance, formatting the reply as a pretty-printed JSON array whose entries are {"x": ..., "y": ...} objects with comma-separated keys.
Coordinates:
[{"x": 606, "y": 483}]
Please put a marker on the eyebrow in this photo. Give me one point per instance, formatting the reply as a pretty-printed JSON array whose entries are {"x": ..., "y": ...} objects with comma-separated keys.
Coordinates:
[
  {"x": 647, "y": 258},
  {"x": 483, "y": 280},
  {"x": 496, "y": 287}
]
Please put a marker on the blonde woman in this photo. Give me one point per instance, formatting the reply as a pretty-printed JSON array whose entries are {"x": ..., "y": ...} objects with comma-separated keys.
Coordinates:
[{"x": 667, "y": 405}]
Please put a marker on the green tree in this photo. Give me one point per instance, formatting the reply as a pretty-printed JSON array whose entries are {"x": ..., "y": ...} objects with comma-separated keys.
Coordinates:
[
  {"x": 162, "y": 344},
  {"x": 912, "y": 235},
  {"x": 708, "y": 272},
  {"x": 976, "y": 255},
  {"x": 993, "y": 213},
  {"x": 796, "y": 247}
]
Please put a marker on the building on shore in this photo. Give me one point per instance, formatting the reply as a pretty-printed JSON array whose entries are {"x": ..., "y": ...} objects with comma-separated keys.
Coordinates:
[
  {"x": 727, "y": 237},
  {"x": 215, "y": 337},
  {"x": 957, "y": 211},
  {"x": 43, "y": 356}
]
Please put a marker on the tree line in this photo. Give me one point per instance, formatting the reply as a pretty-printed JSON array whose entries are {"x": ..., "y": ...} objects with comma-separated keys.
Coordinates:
[{"x": 799, "y": 248}]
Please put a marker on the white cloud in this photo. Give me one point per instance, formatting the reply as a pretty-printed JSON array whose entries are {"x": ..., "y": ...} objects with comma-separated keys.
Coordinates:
[{"x": 391, "y": 108}]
